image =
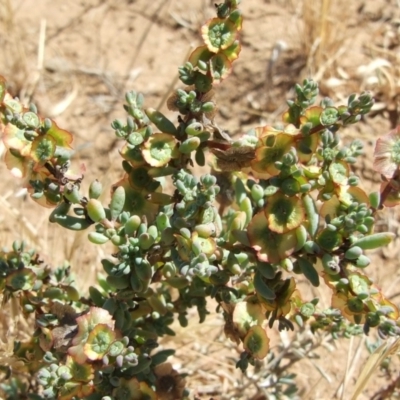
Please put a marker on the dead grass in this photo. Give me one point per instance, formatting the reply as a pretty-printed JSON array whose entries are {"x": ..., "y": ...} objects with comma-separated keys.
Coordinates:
[
  {"x": 14, "y": 52},
  {"x": 323, "y": 35}
]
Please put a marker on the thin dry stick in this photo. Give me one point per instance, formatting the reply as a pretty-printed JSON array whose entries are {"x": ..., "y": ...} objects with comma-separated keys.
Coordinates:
[
  {"x": 350, "y": 372},
  {"x": 313, "y": 387},
  {"x": 323, "y": 30},
  {"x": 41, "y": 44},
  {"x": 320, "y": 370},
  {"x": 142, "y": 41},
  {"x": 320, "y": 73},
  {"x": 373, "y": 363},
  {"x": 28, "y": 90},
  {"x": 346, "y": 373},
  {"x": 392, "y": 286}
]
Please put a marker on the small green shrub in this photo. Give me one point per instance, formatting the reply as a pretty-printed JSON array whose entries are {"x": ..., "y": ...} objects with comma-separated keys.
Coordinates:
[{"x": 290, "y": 206}]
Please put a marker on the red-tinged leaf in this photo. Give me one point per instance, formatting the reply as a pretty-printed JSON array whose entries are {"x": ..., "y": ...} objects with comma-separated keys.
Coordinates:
[
  {"x": 218, "y": 34},
  {"x": 256, "y": 342},
  {"x": 232, "y": 52},
  {"x": 394, "y": 315},
  {"x": 306, "y": 147},
  {"x": 89, "y": 320},
  {"x": 133, "y": 389},
  {"x": 387, "y": 153},
  {"x": 14, "y": 105},
  {"x": 284, "y": 213},
  {"x": 21, "y": 279},
  {"x": 312, "y": 114},
  {"x": 351, "y": 194},
  {"x": 81, "y": 373},
  {"x": 3, "y": 88},
  {"x": 14, "y": 138},
  {"x": 200, "y": 53},
  {"x": 340, "y": 301},
  {"x": 266, "y": 156},
  {"x": 61, "y": 137},
  {"x": 268, "y": 134},
  {"x": 133, "y": 155},
  {"x": 158, "y": 149},
  {"x": 69, "y": 391},
  {"x": 18, "y": 165},
  {"x": 99, "y": 341},
  {"x": 220, "y": 67},
  {"x": 271, "y": 246},
  {"x": 263, "y": 132},
  {"x": 392, "y": 199},
  {"x": 86, "y": 324},
  {"x": 237, "y": 18},
  {"x": 148, "y": 392},
  {"x": 245, "y": 315},
  {"x": 330, "y": 207}
]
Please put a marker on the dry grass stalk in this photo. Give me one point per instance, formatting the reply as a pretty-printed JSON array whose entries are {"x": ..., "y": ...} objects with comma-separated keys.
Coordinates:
[
  {"x": 373, "y": 363},
  {"x": 323, "y": 36}
]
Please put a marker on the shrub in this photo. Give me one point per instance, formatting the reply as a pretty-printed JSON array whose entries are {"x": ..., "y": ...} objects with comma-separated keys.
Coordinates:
[{"x": 290, "y": 205}]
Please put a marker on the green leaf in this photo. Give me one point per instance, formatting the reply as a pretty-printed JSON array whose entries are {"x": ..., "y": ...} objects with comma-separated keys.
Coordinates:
[
  {"x": 329, "y": 116},
  {"x": 161, "y": 121},
  {"x": 262, "y": 288},
  {"x": 374, "y": 241},
  {"x": 308, "y": 270}
]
